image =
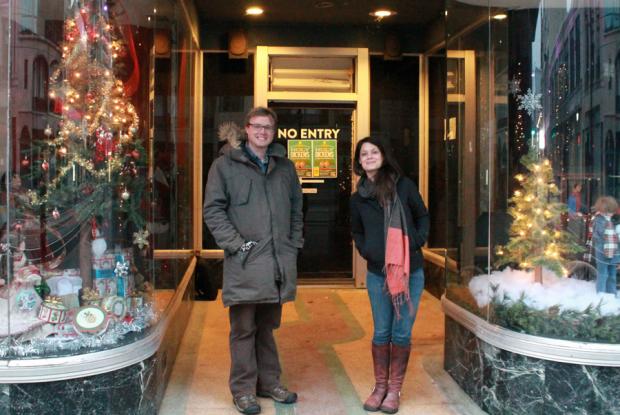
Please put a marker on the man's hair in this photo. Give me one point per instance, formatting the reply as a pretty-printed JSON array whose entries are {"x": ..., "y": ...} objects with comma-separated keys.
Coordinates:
[
  {"x": 261, "y": 112},
  {"x": 606, "y": 204}
]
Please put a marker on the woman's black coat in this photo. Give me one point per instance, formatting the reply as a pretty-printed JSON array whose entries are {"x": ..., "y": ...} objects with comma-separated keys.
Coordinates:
[{"x": 367, "y": 225}]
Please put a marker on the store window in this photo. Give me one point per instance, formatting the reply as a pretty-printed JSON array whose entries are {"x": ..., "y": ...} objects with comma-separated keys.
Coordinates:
[
  {"x": 228, "y": 96},
  {"x": 535, "y": 162},
  {"x": 394, "y": 108},
  {"x": 27, "y": 12},
  {"x": 99, "y": 172},
  {"x": 40, "y": 76},
  {"x": 438, "y": 201}
]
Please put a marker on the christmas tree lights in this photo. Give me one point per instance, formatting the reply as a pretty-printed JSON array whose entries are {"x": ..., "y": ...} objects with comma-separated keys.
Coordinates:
[
  {"x": 537, "y": 239},
  {"x": 89, "y": 166}
]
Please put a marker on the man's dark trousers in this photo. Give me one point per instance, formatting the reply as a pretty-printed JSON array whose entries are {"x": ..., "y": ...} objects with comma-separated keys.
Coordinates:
[{"x": 253, "y": 351}]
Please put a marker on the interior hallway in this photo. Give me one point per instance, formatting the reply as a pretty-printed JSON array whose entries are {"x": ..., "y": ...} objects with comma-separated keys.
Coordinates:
[{"x": 324, "y": 346}]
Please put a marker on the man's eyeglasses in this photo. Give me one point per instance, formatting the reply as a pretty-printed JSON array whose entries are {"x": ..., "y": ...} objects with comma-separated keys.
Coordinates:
[{"x": 258, "y": 127}]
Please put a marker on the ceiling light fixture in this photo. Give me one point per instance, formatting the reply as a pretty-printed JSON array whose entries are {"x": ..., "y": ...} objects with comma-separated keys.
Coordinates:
[
  {"x": 324, "y": 4},
  {"x": 253, "y": 11},
  {"x": 381, "y": 13},
  {"x": 500, "y": 16}
]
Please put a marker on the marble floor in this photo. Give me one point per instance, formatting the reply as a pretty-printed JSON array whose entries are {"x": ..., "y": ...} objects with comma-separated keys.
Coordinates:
[{"x": 324, "y": 346}]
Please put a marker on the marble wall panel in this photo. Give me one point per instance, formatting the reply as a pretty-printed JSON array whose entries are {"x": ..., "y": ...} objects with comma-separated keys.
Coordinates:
[
  {"x": 118, "y": 392},
  {"x": 462, "y": 359},
  {"x": 579, "y": 389},
  {"x": 502, "y": 382}
]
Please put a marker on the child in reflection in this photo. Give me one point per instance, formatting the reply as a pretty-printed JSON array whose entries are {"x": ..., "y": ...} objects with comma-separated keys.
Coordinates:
[
  {"x": 390, "y": 224},
  {"x": 605, "y": 244},
  {"x": 574, "y": 201}
]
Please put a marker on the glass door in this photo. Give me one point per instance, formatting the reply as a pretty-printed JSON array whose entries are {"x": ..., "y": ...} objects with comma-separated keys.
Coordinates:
[{"x": 318, "y": 139}]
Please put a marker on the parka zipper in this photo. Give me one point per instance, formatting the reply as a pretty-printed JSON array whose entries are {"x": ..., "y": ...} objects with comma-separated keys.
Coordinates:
[{"x": 273, "y": 244}]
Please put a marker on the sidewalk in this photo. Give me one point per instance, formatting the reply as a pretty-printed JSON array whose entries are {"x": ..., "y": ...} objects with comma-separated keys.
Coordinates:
[{"x": 324, "y": 346}]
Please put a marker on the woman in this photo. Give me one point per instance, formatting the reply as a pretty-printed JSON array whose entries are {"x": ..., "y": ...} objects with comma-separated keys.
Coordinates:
[
  {"x": 605, "y": 244},
  {"x": 390, "y": 225}
]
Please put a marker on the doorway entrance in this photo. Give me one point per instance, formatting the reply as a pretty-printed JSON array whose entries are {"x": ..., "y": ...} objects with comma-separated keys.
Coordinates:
[
  {"x": 318, "y": 93},
  {"x": 319, "y": 140}
]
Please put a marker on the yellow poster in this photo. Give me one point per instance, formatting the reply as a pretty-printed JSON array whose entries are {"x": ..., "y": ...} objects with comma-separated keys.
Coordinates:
[
  {"x": 325, "y": 159},
  {"x": 300, "y": 153}
]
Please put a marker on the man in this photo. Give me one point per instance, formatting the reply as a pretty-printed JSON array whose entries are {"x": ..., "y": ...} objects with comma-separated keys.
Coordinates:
[{"x": 253, "y": 208}]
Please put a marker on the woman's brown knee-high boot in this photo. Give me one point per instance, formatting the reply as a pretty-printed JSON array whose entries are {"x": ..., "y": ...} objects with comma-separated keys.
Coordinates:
[
  {"x": 398, "y": 368},
  {"x": 381, "y": 364}
]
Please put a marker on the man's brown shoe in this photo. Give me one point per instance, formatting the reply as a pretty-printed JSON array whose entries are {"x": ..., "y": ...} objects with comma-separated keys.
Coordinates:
[
  {"x": 247, "y": 404},
  {"x": 279, "y": 394}
]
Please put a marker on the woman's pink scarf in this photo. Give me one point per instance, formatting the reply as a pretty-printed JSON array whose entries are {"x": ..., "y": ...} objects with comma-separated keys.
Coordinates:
[{"x": 397, "y": 255}]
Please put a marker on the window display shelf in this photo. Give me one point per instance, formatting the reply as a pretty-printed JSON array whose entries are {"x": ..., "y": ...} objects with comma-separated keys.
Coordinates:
[{"x": 38, "y": 370}]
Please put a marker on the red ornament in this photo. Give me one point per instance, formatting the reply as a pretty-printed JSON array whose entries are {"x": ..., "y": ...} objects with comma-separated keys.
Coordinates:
[
  {"x": 135, "y": 154},
  {"x": 93, "y": 228},
  {"x": 25, "y": 162},
  {"x": 62, "y": 151},
  {"x": 104, "y": 144},
  {"x": 92, "y": 34},
  {"x": 90, "y": 98},
  {"x": 45, "y": 165}
]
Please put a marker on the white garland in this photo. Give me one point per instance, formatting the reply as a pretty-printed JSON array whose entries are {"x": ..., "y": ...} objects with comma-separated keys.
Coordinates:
[{"x": 144, "y": 317}]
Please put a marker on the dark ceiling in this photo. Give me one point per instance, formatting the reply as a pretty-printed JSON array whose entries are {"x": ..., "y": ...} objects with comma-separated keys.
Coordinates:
[{"x": 335, "y": 12}]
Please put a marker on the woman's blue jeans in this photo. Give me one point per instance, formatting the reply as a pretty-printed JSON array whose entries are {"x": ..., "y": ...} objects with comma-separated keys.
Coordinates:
[{"x": 388, "y": 328}]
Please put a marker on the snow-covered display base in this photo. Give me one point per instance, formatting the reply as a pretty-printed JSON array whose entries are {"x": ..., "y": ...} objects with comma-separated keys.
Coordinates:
[{"x": 565, "y": 293}]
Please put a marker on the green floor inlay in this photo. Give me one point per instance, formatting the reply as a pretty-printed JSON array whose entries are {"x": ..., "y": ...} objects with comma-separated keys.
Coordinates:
[{"x": 350, "y": 400}]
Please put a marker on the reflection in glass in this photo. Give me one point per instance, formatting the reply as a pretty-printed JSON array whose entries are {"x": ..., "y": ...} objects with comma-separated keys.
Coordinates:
[
  {"x": 78, "y": 222},
  {"x": 546, "y": 83}
]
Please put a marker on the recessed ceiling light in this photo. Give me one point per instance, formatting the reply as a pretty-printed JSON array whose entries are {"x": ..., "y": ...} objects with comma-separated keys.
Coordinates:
[
  {"x": 323, "y": 4},
  {"x": 500, "y": 16},
  {"x": 253, "y": 11},
  {"x": 381, "y": 13}
]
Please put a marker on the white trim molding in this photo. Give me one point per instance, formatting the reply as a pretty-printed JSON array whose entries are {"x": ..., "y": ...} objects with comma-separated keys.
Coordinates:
[
  {"x": 359, "y": 97},
  {"x": 557, "y": 350},
  {"x": 89, "y": 364}
]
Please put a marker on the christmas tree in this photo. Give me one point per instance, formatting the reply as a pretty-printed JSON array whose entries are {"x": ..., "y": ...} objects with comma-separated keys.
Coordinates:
[
  {"x": 88, "y": 168},
  {"x": 536, "y": 237}
]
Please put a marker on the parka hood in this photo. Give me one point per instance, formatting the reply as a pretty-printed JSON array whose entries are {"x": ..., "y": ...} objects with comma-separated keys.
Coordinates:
[{"x": 236, "y": 138}]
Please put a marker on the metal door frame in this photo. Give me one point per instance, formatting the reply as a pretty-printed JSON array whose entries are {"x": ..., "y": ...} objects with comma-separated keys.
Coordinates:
[{"x": 360, "y": 99}]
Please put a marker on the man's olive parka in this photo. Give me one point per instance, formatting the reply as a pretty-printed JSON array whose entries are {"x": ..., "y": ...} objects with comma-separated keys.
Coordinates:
[{"x": 243, "y": 204}]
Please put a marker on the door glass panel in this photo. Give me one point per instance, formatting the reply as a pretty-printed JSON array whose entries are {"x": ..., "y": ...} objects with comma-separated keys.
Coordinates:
[{"x": 327, "y": 228}]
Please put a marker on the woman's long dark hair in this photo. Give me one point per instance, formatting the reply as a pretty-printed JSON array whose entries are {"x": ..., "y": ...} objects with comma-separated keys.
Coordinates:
[{"x": 385, "y": 180}]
